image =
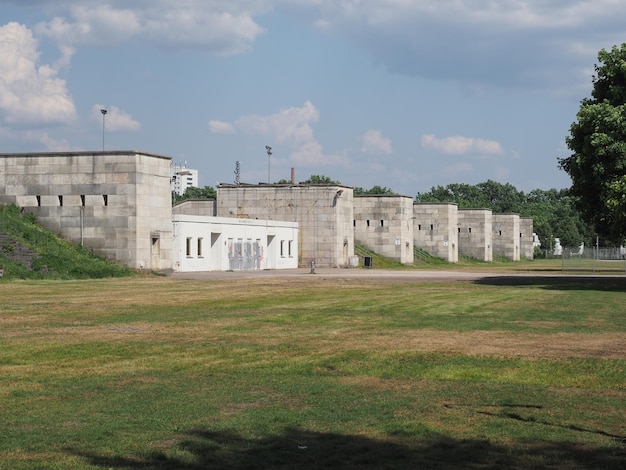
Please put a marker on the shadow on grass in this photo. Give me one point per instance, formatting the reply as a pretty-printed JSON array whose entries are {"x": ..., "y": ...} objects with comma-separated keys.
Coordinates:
[
  {"x": 298, "y": 449},
  {"x": 599, "y": 283}
]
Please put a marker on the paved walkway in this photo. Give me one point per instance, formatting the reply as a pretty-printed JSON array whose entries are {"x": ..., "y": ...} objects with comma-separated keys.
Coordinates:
[
  {"x": 429, "y": 275},
  {"x": 497, "y": 277}
]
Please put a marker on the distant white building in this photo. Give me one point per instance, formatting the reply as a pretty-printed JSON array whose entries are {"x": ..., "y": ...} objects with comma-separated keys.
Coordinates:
[
  {"x": 183, "y": 178},
  {"x": 558, "y": 249},
  {"x": 536, "y": 241}
]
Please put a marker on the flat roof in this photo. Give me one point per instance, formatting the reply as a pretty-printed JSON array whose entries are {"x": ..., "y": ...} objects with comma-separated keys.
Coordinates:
[
  {"x": 282, "y": 185},
  {"x": 86, "y": 153}
]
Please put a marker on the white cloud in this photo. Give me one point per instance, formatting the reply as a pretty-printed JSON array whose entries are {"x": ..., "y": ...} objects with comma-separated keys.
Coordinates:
[
  {"x": 53, "y": 145},
  {"x": 116, "y": 120},
  {"x": 374, "y": 142},
  {"x": 290, "y": 127},
  {"x": 218, "y": 27},
  {"x": 534, "y": 44},
  {"x": 458, "y": 169},
  {"x": 458, "y": 145},
  {"x": 30, "y": 93},
  {"x": 99, "y": 25},
  {"x": 287, "y": 125},
  {"x": 221, "y": 127}
]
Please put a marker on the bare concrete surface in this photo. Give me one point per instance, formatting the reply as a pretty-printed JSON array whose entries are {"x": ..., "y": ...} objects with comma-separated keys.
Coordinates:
[{"x": 407, "y": 275}]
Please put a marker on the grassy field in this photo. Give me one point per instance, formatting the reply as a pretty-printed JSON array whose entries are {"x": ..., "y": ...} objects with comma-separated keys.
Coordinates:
[{"x": 313, "y": 372}]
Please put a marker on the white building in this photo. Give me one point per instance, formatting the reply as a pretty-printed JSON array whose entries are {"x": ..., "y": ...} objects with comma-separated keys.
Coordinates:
[
  {"x": 183, "y": 178},
  {"x": 203, "y": 243}
]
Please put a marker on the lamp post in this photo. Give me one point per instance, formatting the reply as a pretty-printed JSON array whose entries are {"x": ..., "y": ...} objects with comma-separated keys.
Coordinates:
[
  {"x": 104, "y": 112},
  {"x": 268, "y": 149}
]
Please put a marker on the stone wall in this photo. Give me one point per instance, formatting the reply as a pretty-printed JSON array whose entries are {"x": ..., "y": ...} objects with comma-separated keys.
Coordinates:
[
  {"x": 205, "y": 207},
  {"x": 384, "y": 224},
  {"x": 435, "y": 229},
  {"x": 117, "y": 203},
  {"x": 474, "y": 232},
  {"x": 506, "y": 236},
  {"x": 324, "y": 214},
  {"x": 526, "y": 228}
]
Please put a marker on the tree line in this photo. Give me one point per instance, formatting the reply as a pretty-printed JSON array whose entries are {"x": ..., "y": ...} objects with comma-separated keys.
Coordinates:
[
  {"x": 553, "y": 211},
  {"x": 594, "y": 206}
]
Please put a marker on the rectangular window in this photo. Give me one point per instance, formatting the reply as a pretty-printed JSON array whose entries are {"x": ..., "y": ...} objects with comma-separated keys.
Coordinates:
[
  {"x": 289, "y": 248},
  {"x": 61, "y": 201},
  {"x": 382, "y": 223},
  {"x": 188, "y": 247},
  {"x": 419, "y": 227},
  {"x": 38, "y": 201},
  {"x": 282, "y": 248},
  {"x": 469, "y": 230},
  {"x": 368, "y": 223},
  {"x": 82, "y": 199},
  {"x": 105, "y": 198},
  {"x": 199, "y": 246},
  {"x": 431, "y": 226},
  {"x": 354, "y": 223}
]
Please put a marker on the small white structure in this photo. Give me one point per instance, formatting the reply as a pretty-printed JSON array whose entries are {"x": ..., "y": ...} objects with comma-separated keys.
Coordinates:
[
  {"x": 558, "y": 249},
  {"x": 536, "y": 241},
  {"x": 203, "y": 243},
  {"x": 580, "y": 252},
  {"x": 183, "y": 178}
]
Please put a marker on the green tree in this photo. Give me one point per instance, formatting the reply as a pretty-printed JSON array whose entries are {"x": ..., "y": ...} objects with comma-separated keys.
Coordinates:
[
  {"x": 321, "y": 179},
  {"x": 490, "y": 194},
  {"x": 597, "y": 165},
  {"x": 374, "y": 190},
  {"x": 208, "y": 192},
  {"x": 552, "y": 211}
]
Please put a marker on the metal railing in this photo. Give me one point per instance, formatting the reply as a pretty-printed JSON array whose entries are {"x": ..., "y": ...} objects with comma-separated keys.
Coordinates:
[{"x": 593, "y": 259}]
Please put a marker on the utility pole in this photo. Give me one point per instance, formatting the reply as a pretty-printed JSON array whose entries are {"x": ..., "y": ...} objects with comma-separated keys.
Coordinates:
[
  {"x": 269, "y": 154},
  {"x": 104, "y": 112}
]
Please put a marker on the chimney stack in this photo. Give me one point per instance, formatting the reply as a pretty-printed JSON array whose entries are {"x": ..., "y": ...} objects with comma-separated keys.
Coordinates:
[{"x": 293, "y": 175}]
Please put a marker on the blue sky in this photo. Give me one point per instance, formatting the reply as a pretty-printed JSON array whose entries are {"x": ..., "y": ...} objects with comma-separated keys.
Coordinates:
[{"x": 406, "y": 94}]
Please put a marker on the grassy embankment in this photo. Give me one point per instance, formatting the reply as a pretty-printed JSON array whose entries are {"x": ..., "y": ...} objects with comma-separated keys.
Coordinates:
[
  {"x": 55, "y": 258},
  {"x": 312, "y": 372}
]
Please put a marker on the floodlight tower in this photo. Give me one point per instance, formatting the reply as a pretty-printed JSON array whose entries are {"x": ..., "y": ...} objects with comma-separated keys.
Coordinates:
[
  {"x": 104, "y": 112},
  {"x": 268, "y": 149}
]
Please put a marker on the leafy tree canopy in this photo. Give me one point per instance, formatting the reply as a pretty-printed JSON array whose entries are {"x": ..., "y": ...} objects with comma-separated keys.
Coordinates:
[
  {"x": 321, "y": 179},
  {"x": 373, "y": 190},
  {"x": 552, "y": 211},
  {"x": 490, "y": 194},
  {"x": 597, "y": 165},
  {"x": 208, "y": 192}
]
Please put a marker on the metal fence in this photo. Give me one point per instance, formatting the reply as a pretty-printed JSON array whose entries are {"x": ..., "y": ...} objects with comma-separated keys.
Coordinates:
[{"x": 593, "y": 259}]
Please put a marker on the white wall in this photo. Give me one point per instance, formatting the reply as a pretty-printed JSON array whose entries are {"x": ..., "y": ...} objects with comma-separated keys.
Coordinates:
[{"x": 203, "y": 243}]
